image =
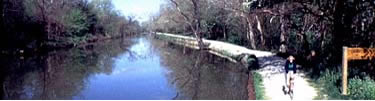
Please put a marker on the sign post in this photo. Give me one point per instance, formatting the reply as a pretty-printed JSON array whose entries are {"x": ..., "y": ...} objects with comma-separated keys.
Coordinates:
[
  {"x": 345, "y": 71},
  {"x": 353, "y": 54}
]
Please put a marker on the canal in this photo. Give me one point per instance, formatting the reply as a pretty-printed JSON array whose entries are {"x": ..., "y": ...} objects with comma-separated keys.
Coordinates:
[{"x": 130, "y": 68}]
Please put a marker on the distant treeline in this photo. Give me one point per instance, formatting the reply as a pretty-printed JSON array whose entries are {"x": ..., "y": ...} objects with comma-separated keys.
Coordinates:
[{"x": 29, "y": 24}]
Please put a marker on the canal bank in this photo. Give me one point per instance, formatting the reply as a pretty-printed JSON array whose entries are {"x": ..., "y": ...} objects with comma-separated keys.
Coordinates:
[{"x": 229, "y": 51}]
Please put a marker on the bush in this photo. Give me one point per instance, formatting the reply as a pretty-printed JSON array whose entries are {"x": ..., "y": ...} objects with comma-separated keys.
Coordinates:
[
  {"x": 358, "y": 88},
  {"x": 234, "y": 39},
  {"x": 330, "y": 82},
  {"x": 362, "y": 89},
  {"x": 76, "y": 23}
]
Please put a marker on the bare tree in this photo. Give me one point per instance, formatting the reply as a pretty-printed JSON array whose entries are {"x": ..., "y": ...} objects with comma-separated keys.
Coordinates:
[{"x": 194, "y": 21}]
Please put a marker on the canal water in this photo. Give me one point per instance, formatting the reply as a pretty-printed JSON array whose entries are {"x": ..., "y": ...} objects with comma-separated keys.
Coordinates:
[{"x": 130, "y": 68}]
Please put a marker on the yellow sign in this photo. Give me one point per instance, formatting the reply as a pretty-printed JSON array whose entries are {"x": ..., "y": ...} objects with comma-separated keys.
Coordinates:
[
  {"x": 361, "y": 53},
  {"x": 353, "y": 54}
]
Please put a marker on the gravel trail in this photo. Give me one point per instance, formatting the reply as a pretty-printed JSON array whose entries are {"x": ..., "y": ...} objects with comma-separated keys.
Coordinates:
[{"x": 274, "y": 79}]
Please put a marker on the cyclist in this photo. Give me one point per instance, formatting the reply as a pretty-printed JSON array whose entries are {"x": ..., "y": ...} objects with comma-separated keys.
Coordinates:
[{"x": 289, "y": 76}]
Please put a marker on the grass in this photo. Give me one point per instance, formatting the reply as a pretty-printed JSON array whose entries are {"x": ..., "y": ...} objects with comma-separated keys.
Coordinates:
[
  {"x": 258, "y": 86},
  {"x": 329, "y": 87}
]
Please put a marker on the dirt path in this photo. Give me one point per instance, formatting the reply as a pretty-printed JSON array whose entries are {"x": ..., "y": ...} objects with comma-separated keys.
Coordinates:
[{"x": 274, "y": 79}]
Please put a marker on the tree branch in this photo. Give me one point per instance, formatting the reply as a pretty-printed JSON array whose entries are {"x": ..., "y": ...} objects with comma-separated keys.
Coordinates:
[{"x": 183, "y": 14}]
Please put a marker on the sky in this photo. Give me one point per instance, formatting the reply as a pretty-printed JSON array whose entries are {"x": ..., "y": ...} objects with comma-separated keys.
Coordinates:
[{"x": 140, "y": 9}]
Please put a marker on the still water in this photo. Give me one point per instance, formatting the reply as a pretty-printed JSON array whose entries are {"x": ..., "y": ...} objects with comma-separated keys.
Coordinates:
[{"x": 130, "y": 68}]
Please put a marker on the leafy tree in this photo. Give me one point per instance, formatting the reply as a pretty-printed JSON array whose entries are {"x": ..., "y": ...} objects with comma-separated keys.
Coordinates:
[
  {"x": 76, "y": 23},
  {"x": 61, "y": 23}
]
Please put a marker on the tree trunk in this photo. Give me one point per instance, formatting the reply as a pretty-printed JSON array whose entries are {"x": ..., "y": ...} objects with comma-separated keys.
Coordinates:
[
  {"x": 259, "y": 26},
  {"x": 322, "y": 44},
  {"x": 282, "y": 35},
  {"x": 199, "y": 40},
  {"x": 197, "y": 20},
  {"x": 251, "y": 34},
  {"x": 48, "y": 29},
  {"x": 225, "y": 32},
  {"x": 1, "y": 15},
  {"x": 225, "y": 21}
]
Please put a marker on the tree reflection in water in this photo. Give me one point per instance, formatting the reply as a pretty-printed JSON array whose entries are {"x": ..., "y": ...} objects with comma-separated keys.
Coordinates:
[
  {"x": 161, "y": 71},
  {"x": 200, "y": 75},
  {"x": 58, "y": 74}
]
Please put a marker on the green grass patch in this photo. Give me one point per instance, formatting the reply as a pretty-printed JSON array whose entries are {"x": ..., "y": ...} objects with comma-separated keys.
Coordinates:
[{"x": 258, "y": 86}]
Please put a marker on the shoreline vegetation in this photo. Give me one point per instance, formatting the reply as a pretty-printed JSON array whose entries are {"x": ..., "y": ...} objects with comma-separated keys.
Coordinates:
[{"x": 32, "y": 25}]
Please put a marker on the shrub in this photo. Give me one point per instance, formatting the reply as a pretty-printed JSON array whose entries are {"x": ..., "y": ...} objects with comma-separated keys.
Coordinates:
[
  {"x": 76, "y": 23},
  {"x": 330, "y": 83},
  {"x": 234, "y": 39},
  {"x": 362, "y": 89},
  {"x": 358, "y": 88}
]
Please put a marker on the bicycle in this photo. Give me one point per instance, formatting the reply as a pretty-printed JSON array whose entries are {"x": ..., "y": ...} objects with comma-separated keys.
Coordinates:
[{"x": 289, "y": 76}]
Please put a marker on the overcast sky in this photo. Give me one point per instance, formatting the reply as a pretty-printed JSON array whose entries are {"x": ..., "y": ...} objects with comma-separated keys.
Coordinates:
[{"x": 141, "y": 9}]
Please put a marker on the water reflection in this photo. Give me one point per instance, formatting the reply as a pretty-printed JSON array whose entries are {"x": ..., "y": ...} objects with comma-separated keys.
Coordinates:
[
  {"x": 139, "y": 78},
  {"x": 59, "y": 74},
  {"x": 199, "y": 75},
  {"x": 138, "y": 68}
]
